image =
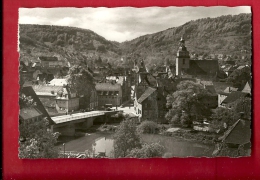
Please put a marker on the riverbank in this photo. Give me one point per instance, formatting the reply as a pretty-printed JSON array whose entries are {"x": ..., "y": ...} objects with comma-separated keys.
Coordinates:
[{"x": 193, "y": 136}]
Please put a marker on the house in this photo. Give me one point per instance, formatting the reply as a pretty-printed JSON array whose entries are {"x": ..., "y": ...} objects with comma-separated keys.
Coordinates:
[
  {"x": 67, "y": 100},
  {"x": 39, "y": 109},
  {"x": 151, "y": 105},
  {"x": 25, "y": 71},
  {"x": 124, "y": 82},
  {"x": 50, "y": 62},
  {"x": 211, "y": 100},
  {"x": 57, "y": 100},
  {"x": 232, "y": 97},
  {"x": 30, "y": 114},
  {"x": 238, "y": 136},
  {"x": 109, "y": 93}
]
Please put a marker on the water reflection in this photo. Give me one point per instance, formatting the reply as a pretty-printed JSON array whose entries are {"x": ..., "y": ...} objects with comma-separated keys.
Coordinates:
[{"x": 103, "y": 147}]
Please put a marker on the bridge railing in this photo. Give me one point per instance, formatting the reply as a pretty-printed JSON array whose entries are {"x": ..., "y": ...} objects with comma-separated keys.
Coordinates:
[{"x": 73, "y": 117}]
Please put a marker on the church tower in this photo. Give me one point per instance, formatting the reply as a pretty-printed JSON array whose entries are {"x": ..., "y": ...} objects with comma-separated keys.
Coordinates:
[{"x": 183, "y": 58}]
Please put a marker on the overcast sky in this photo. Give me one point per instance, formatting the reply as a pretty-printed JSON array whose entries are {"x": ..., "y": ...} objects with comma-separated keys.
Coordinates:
[{"x": 121, "y": 24}]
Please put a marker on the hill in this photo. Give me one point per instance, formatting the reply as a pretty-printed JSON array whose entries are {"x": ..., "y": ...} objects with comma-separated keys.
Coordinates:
[
  {"x": 228, "y": 35},
  {"x": 70, "y": 43},
  {"x": 222, "y": 35}
]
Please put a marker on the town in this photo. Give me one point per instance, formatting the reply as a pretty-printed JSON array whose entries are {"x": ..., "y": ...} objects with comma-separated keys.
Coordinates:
[{"x": 200, "y": 105}]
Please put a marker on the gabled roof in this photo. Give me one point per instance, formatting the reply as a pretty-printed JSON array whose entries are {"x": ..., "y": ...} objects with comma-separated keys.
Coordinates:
[
  {"x": 233, "y": 96},
  {"x": 203, "y": 67},
  {"x": 28, "y": 91},
  {"x": 238, "y": 133},
  {"x": 29, "y": 112},
  {"x": 146, "y": 94},
  {"x": 247, "y": 88}
]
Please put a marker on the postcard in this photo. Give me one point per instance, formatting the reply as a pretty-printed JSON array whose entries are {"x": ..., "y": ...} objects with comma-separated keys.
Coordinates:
[{"x": 135, "y": 82}]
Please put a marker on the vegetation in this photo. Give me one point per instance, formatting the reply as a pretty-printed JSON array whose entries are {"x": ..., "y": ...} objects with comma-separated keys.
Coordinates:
[
  {"x": 36, "y": 138},
  {"x": 148, "y": 127},
  {"x": 81, "y": 80},
  {"x": 222, "y": 35},
  {"x": 126, "y": 138},
  {"x": 147, "y": 151},
  {"x": 240, "y": 76},
  {"x": 222, "y": 118},
  {"x": 186, "y": 104}
]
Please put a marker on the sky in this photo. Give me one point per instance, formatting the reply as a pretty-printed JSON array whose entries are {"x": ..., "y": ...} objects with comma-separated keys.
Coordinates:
[{"x": 126, "y": 23}]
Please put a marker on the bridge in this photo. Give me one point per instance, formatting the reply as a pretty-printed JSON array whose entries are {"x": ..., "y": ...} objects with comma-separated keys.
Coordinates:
[{"x": 67, "y": 124}]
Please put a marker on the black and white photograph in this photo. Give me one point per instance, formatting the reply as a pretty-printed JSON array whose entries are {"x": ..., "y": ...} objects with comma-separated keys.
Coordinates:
[{"x": 126, "y": 82}]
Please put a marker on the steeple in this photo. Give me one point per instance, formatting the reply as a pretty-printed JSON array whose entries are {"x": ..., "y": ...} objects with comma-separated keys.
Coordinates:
[{"x": 183, "y": 58}]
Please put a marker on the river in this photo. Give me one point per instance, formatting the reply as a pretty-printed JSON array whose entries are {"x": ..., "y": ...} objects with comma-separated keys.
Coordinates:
[{"x": 103, "y": 142}]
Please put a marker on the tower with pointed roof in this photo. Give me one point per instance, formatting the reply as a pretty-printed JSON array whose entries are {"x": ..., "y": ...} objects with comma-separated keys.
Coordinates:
[{"x": 183, "y": 58}]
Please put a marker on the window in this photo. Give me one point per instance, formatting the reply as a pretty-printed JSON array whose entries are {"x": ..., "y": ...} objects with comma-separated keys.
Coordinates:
[{"x": 183, "y": 62}]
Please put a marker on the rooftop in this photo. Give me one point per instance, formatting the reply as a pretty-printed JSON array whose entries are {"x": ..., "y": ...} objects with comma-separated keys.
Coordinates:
[
  {"x": 28, "y": 91},
  {"x": 238, "y": 133},
  {"x": 29, "y": 112},
  {"x": 233, "y": 96},
  {"x": 58, "y": 82},
  {"x": 146, "y": 94}
]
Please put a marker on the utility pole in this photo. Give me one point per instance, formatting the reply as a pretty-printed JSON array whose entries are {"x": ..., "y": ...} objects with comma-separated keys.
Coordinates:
[{"x": 64, "y": 150}]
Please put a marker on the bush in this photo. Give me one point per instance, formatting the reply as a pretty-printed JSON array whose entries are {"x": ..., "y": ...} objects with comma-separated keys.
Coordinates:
[
  {"x": 148, "y": 127},
  {"x": 147, "y": 151}
]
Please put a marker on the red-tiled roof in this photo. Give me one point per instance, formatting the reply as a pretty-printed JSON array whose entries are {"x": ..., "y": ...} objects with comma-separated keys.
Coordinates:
[
  {"x": 238, "y": 133},
  {"x": 146, "y": 94}
]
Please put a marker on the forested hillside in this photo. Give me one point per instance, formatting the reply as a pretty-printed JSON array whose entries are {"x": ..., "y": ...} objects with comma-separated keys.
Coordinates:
[
  {"x": 222, "y": 35},
  {"x": 228, "y": 35},
  {"x": 73, "y": 44}
]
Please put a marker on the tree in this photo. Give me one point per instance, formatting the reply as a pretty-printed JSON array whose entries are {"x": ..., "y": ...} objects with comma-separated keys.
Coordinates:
[
  {"x": 222, "y": 116},
  {"x": 36, "y": 138},
  {"x": 229, "y": 116},
  {"x": 147, "y": 151},
  {"x": 242, "y": 105},
  {"x": 239, "y": 77},
  {"x": 81, "y": 80},
  {"x": 186, "y": 104},
  {"x": 126, "y": 138}
]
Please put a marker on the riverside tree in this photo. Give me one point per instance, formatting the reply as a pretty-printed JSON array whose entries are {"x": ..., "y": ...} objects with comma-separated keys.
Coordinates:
[
  {"x": 126, "y": 138},
  {"x": 147, "y": 151},
  {"x": 186, "y": 104}
]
